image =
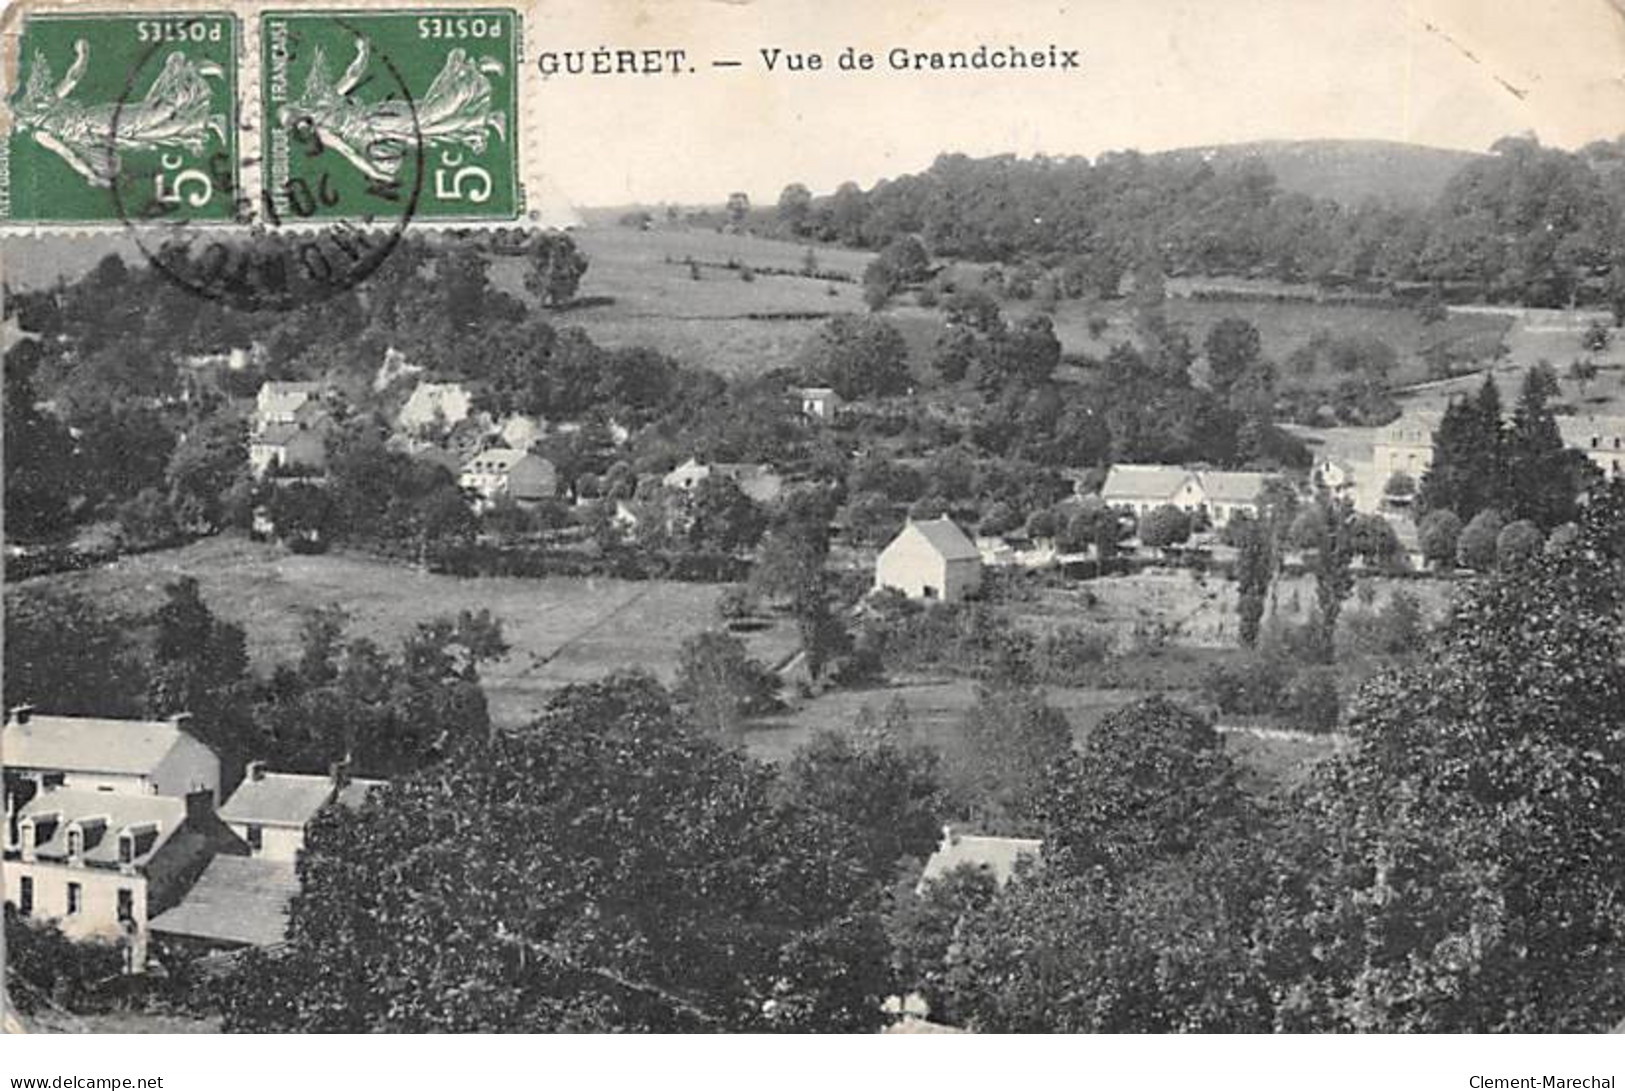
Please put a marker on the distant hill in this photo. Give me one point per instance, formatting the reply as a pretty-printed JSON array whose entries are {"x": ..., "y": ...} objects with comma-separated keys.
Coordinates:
[{"x": 1348, "y": 171}]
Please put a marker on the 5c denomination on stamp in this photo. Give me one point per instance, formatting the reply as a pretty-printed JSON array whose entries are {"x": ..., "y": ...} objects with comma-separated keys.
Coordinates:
[
  {"x": 361, "y": 108},
  {"x": 119, "y": 111}
]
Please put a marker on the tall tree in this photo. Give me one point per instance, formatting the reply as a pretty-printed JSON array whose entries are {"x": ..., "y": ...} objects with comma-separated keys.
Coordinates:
[{"x": 607, "y": 868}]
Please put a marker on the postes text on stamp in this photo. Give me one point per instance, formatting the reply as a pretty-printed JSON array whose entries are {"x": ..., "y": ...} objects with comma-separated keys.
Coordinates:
[
  {"x": 365, "y": 109},
  {"x": 122, "y": 115}
]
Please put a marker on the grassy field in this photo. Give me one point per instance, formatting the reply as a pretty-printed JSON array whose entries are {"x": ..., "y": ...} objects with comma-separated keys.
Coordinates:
[
  {"x": 1284, "y": 326},
  {"x": 639, "y": 290},
  {"x": 562, "y": 630},
  {"x": 935, "y": 709}
]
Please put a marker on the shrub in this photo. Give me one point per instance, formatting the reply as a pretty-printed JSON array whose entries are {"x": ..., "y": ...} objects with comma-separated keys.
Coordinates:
[
  {"x": 1516, "y": 543},
  {"x": 1475, "y": 548},
  {"x": 1439, "y": 533}
]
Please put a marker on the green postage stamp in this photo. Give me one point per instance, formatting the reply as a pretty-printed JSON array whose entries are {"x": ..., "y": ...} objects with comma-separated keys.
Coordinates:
[
  {"x": 122, "y": 117},
  {"x": 364, "y": 111},
  {"x": 263, "y": 117}
]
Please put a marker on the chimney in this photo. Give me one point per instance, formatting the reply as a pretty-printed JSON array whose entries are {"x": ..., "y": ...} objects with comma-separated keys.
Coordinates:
[
  {"x": 341, "y": 774},
  {"x": 21, "y": 714},
  {"x": 200, "y": 806},
  {"x": 255, "y": 770},
  {"x": 182, "y": 721}
]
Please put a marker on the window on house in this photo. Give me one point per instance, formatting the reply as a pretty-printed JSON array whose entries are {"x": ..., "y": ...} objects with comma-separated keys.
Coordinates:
[
  {"x": 126, "y": 850},
  {"x": 25, "y": 895},
  {"x": 929, "y": 592},
  {"x": 76, "y": 843},
  {"x": 126, "y": 905},
  {"x": 53, "y": 780},
  {"x": 76, "y": 898},
  {"x": 256, "y": 837}
]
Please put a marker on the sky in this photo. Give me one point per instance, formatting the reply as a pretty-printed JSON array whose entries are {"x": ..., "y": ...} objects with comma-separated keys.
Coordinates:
[{"x": 1155, "y": 74}]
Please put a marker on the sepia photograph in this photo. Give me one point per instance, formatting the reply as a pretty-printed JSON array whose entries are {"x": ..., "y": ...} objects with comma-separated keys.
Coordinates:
[{"x": 673, "y": 517}]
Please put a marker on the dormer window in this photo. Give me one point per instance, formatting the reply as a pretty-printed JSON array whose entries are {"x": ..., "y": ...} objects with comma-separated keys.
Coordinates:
[
  {"x": 76, "y": 844},
  {"x": 126, "y": 849}
]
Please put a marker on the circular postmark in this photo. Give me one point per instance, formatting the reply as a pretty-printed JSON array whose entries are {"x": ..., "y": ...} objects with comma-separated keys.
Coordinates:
[{"x": 305, "y": 235}]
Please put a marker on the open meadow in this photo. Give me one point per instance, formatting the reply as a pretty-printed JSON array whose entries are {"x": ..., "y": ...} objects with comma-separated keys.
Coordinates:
[{"x": 561, "y": 630}]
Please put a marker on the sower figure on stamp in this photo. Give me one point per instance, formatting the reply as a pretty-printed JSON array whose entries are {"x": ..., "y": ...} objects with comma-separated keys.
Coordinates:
[
  {"x": 173, "y": 113},
  {"x": 375, "y": 136}
]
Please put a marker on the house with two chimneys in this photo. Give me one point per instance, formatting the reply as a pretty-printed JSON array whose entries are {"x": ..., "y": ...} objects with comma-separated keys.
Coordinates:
[
  {"x": 108, "y": 822},
  {"x": 1220, "y": 495},
  {"x": 243, "y": 900},
  {"x": 930, "y": 559}
]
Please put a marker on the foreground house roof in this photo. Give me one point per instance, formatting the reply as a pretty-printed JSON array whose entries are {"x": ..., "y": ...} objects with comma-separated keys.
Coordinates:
[{"x": 237, "y": 900}]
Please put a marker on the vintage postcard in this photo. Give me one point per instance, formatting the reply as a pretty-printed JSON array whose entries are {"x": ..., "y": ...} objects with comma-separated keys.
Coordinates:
[{"x": 681, "y": 517}]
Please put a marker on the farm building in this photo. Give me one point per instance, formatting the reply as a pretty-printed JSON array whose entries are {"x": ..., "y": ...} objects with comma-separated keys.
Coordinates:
[
  {"x": 504, "y": 472},
  {"x": 930, "y": 559},
  {"x": 1219, "y": 494}
]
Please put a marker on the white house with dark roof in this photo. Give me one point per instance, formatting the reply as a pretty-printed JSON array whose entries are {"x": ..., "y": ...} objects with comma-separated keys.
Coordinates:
[
  {"x": 503, "y": 472},
  {"x": 129, "y": 757},
  {"x": 930, "y": 559},
  {"x": 103, "y": 864}
]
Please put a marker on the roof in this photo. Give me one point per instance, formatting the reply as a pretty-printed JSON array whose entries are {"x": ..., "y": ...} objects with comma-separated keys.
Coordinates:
[
  {"x": 356, "y": 791},
  {"x": 120, "y": 809},
  {"x": 89, "y": 745},
  {"x": 1587, "y": 427},
  {"x": 998, "y": 855},
  {"x": 279, "y": 435},
  {"x": 278, "y": 799},
  {"x": 495, "y": 460},
  {"x": 1128, "y": 481},
  {"x": 238, "y": 900},
  {"x": 946, "y": 538},
  {"x": 1232, "y": 486},
  {"x": 817, "y": 392}
]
